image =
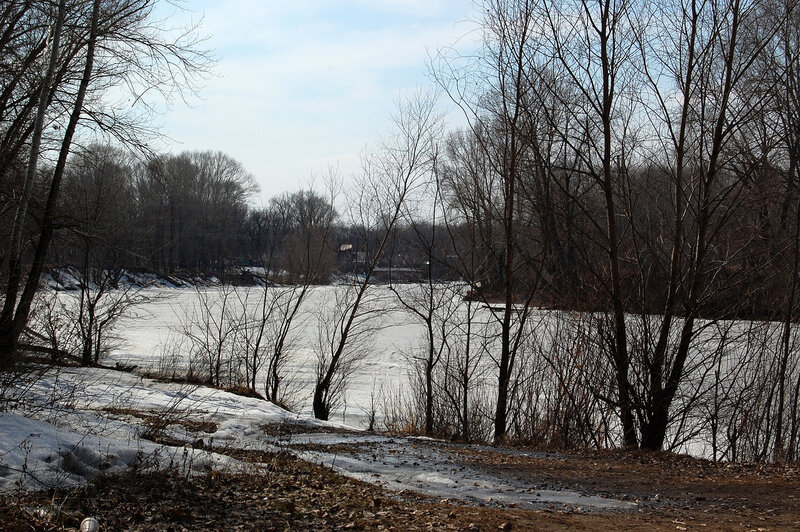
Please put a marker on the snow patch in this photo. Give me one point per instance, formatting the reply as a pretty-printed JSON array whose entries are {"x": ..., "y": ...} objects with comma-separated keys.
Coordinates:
[{"x": 80, "y": 422}]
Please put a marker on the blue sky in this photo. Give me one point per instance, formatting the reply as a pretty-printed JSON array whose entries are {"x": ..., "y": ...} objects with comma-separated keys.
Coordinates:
[{"x": 303, "y": 85}]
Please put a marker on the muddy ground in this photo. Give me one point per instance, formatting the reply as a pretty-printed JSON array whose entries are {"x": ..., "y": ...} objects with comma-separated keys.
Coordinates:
[{"x": 648, "y": 491}]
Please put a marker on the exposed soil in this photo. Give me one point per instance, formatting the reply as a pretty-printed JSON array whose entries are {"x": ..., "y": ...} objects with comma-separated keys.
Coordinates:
[
  {"x": 285, "y": 493},
  {"x": 287, "y": 430},
  {"x": 691, "y": 493},
  {"x": 668, "y": 491},
  {"x": 154, "y": 419}
]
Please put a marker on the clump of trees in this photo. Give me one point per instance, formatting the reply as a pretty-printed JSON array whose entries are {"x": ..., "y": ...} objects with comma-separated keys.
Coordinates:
[
  {"x": 636, "y": 159},
  {"x": 191, "y": 208},
  {"x": 62, "y": 61}
]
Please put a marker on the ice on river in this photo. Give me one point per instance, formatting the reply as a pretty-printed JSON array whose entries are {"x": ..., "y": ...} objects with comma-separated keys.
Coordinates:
[{"x": 156, "y": 324}]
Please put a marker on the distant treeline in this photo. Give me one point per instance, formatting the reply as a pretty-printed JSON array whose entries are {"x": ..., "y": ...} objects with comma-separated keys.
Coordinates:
[{"x": 193, "y": 212}]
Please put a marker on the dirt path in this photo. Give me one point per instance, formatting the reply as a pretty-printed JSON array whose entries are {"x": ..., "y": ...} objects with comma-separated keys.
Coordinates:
[
  {"x": 677, "y": 492},
  {"x": 356, "y": 481},
  {"x": 443, "y": 472}
]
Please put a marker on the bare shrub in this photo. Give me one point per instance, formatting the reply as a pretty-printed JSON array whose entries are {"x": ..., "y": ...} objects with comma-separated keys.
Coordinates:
[
  {"x": 346, "y": 323},
  {"x": 558, "y": 400},
  {"x": 81, "y": 324},
  {"x": 210, "y": 328}
]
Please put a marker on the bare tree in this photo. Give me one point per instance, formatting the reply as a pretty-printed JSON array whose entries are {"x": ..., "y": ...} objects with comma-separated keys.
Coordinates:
[
  {"x": 429, "y": 301},
  {"x": 212, "y": 328},
  {"x": 15, "y": 246},
  {"x": 780, "y": 72},
  {"x": 97, "y": 189},
  {"x": 487, "y": 194},
  {"x": 345, "y": 323},
  {"x": 390, "y": 176},
  {"x": 112, "y": 43},
  {"x": 719, "y": 45},
  {"x": 305, "y": 253},
  {"x": 589, "y": 116}
]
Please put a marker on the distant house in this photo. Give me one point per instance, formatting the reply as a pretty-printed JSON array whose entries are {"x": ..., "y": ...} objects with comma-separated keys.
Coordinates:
[{"x": 350, "y": 259}]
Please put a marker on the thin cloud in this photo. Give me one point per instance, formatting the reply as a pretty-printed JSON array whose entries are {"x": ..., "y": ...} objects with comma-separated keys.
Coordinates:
[{"x": 304, "y": 85}]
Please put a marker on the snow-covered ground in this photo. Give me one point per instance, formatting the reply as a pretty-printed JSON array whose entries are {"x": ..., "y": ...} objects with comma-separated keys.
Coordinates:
[
  {"x": 426, "y": 466},
  {"x": 69, "y": 279},
  {"x": 78, "y": 423}
]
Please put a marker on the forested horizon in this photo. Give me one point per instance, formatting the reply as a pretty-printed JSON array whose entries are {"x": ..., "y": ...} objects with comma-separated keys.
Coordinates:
[{"x": 194, "y": 212}]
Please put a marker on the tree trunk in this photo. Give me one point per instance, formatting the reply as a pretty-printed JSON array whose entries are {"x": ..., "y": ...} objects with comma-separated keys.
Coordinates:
[
  {"x": 320, "y": 404},
  {"x": 46, "y": 234},
  {"x": 8, "y": 340}
]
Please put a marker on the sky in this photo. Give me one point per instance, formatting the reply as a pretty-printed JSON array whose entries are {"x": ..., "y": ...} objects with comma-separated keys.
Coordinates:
[{"x": 300, "y": 86}]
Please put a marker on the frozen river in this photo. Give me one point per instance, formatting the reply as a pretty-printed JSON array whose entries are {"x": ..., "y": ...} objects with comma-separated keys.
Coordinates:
[
  {"x": 156, "y": 325},
  {"x": 729, "y": 361}
]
